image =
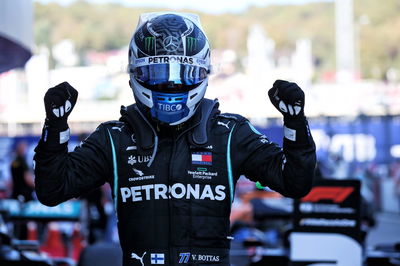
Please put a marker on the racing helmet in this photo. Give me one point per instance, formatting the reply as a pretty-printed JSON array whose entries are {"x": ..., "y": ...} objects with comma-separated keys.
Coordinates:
[{"x": 169, "y": 63}]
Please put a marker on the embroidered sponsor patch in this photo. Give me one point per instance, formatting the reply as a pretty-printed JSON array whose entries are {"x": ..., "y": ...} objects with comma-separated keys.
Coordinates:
[
  {"x": 157, "y": 258},
  {"x": 202, "y": 158}
]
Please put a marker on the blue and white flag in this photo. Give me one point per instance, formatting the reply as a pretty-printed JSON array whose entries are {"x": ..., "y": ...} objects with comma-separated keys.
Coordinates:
[{"x": 157, "y": 258}]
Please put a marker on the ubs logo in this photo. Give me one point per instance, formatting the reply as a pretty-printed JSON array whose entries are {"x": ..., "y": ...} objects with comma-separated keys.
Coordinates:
[{"x": 138, "y": 159}]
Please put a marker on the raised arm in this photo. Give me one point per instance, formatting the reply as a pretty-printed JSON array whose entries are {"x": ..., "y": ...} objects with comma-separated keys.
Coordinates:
[
  {"x": 59, "y": 174},
  {"x": 288, "y": 170}
]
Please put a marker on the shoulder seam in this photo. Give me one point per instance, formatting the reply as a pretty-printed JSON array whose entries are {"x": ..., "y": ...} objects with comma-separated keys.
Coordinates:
[{"x": 236, "y": 117}]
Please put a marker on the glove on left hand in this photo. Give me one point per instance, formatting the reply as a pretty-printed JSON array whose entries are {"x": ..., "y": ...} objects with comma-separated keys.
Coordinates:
[{"x": 288, "y": 98}]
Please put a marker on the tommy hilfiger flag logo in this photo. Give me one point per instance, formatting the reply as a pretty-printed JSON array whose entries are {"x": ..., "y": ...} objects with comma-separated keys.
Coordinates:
[{"x": 202, "y": 158}]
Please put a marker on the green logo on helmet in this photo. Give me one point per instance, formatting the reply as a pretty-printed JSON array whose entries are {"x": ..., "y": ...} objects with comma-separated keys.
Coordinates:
[
  {"x": 191, "y": 44},
  {"x": 148, "y": 43}
]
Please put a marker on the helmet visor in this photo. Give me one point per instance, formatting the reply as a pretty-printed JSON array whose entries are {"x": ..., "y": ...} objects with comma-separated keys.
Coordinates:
[{"x": 169, "y": 77}]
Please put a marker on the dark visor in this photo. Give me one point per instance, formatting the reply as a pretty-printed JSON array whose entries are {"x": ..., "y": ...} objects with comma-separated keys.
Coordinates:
[{"x": 169, "y": 77}]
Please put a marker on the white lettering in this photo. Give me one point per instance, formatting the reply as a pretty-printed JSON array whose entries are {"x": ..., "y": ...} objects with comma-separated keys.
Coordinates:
[
  {"x": 206, "y": 258},
  {"x": 202, "y": 174},
  {"x": 327, "y": 222},
  {"x": 169, "y": 107},
  {"x": 125, "y": 193},
  {"x": 175, "y": 194},
  {"x": 219, "y": 190},
  {"x": 193, "y": 192},
  {"x": 147, "y": 189},
  {"x": 136, "y": 194},
  {"x": 144, "y": 159},
  {"x": 140, "y": 178},
  {"x": 160, "y": 190},
  {"x": 177, "y": 191},
  {"x": 359, "y": 147},
  {"x": 207, "y": 193}
]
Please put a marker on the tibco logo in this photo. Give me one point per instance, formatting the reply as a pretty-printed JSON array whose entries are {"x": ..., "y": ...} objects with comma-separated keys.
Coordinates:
[
  {"x": 169, "y": 107},
  {"x": 177, "y": 191}
]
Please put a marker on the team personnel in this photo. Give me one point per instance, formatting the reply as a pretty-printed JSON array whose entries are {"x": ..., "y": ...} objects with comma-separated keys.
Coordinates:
[{"x": 173, "y": 159}]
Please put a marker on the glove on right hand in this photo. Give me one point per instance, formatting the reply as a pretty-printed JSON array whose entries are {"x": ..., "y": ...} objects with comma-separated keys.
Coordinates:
[{"x": 59, "y": 102}]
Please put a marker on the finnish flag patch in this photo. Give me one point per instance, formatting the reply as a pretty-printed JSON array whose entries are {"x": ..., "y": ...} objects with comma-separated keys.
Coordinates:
[{"x": 157, "y": 258}]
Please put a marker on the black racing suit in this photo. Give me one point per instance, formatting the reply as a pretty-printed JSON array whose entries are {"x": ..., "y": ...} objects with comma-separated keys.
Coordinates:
[{"x": 173, "y": 189}]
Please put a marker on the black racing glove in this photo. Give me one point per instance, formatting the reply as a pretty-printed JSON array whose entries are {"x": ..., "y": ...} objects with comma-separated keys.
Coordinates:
[
  {"x": 59, "y": 102},
  {"x": 289, "y": 99}
]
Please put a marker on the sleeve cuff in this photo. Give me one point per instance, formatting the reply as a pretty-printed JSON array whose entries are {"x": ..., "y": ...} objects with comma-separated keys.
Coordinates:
[
  {"x": 53, "y": 138},
  {"x": 296, "y": 131}
]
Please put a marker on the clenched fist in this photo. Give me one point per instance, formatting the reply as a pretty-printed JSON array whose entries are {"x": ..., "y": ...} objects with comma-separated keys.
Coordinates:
[
  {"x": 59, "y": 102},
  {"x": 288, "y": 98}
]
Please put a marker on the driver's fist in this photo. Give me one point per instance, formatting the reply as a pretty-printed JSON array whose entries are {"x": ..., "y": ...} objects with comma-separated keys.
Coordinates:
[
  {"x": 288, "y": 98},
  {"x": 59, "y": 102}
]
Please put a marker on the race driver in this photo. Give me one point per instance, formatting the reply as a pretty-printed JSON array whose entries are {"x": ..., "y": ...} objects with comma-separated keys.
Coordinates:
[{"x": 172, "y": 159}]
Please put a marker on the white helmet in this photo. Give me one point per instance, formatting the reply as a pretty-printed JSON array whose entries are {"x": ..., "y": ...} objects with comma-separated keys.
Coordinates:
[{"x": 169, "y": 63}]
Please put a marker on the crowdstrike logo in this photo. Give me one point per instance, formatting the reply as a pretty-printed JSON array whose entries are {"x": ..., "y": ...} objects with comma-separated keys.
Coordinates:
[
  {"x": 140, "y": 176},
  {"x": 138, "y": 172},
  {"x": 176, "y": 191}
]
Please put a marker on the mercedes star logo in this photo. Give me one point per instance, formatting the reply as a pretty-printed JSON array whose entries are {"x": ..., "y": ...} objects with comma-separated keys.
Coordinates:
[{"x": 171, "y": 43}]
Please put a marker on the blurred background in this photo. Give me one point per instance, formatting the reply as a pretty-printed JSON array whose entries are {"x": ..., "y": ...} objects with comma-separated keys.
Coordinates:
[{"x": 345, "y": 55}]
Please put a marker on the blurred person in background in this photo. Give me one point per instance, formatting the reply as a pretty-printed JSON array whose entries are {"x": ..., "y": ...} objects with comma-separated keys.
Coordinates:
[
  {"x": 22, "y": 184},
  {"x": 22, "y": 178},
  {"x": 395, "y": 174},
  {"x": 173, "y": 158}
]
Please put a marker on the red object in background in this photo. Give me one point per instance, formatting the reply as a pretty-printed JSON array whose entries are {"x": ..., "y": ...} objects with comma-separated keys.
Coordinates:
[
  {"x": 78, "y": 242},
  {"x": 32, "y": 231},
  {"x": 335, "y": 194},
  {"x": 53, "y": 245}
]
